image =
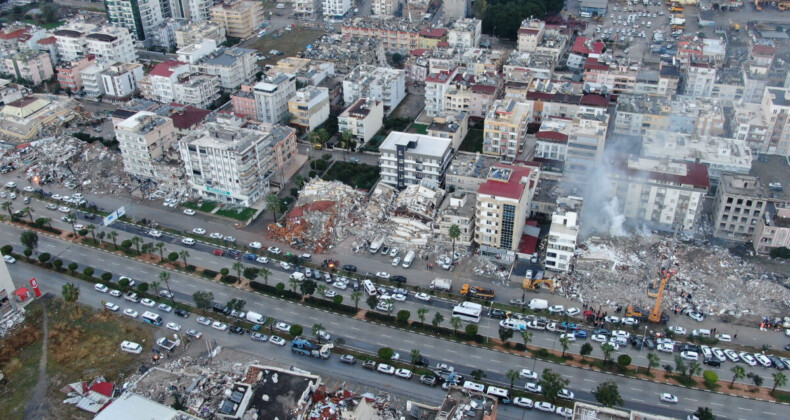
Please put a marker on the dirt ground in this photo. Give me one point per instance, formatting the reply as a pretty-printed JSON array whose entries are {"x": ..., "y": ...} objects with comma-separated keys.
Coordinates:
[{"x": 291, "y": 43}]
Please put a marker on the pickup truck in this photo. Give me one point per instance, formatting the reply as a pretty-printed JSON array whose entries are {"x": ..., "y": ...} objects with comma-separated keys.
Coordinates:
[{"x": 168, "y": 344}]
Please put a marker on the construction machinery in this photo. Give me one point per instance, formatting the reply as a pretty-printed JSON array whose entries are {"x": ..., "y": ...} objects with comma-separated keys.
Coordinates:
[
  {"x": 531, "y": 284},
  {"x": 477, "y": 292},
  {"x": 635, "y": 312},
  {"x": 656, "y": 315}
]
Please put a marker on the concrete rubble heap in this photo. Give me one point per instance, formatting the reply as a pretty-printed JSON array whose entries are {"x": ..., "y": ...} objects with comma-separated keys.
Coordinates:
[{"x": 615, "y": 271}]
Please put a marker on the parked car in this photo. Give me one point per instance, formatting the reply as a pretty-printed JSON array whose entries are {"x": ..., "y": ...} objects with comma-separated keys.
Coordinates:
[
  {"x": 668, "y": 398},
  {"x": 522, "y": 402},
  {"x": 386, "y": 369},
  {"x": 348, "y": 359}
]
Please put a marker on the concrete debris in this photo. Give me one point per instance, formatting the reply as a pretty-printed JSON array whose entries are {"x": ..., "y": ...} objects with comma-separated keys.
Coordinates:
[{"x": 8, "y": 326}]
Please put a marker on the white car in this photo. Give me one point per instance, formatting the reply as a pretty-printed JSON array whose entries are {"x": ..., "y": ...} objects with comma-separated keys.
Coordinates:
[
  {"x": 64, "y": 209},
  {"x": 215, "y": 235},
  {"x": 384, "y": 307},
  {"x": 706, "y": 352},
  {"x": 666, "y": 347},
  {"x": 9, "y": 259},
  {"x": 629, "y": 321},
  {"x": 615, "y": 346},
  {"x": 533, "y": 387},
  {"x": 285, "y": 265},
  {"x": 763, "y": 359},
  {"x": 573, "y": 311},
  {"x": 399, "y": 297},
  {"x": 101, "y": 288},
  {"x": 396, "y": 261},
  {"x": 111, "y": 306},
  {"x": 621, "y": 333},
  {"x": 51, "y": 206},
  {"x": 564, "y": 412},
  {"x": 528, "y": 374},
  {"x": 219, "y": 326},
  {"x": 173, "y": 326},
  {"x": 189, "y": 212},
  {"x": 282, "y": 326},
  {"x": 423, "y": 297},
  {"x": 115, "y": 293},
  {"x": 155, "y": 233},
  {"x": 732, "y": 355},
  {"x": 545, "y": 406},
  {"x": 262, "y": 260},
  {"x": 522, "y": 402},
  {"x": 165, "y": 307},
  {"x": 386, "y": 369},
  {"x": 277, "y": 340},
  {"x": 678, "y": 330},
  {"x": 166, "y": 294},
  {"x": 570, "y": 336},
  {"x": 204, "y": 321},
  {"x": 274, "y": 250},
  {"x": 340, "y": 285},
  {"x": 194, "y": 333},
  {"x": 669, "y": 398},
  {"x": 600, "y": 338},
  {"x": 394, "y": 252},
  {"x": 229, "y": 238},
  {"x": 565, "y": 394},
  {"x": 556, "y": 309},
  {"x": 330, "y": 293},
  {"x": 131, "y": 313},
  {"x": 256, "y": 336},
  {"x": 148, "y": 302},
  {"x": 323, "y": 335},
  {"x": 199, "y": 231},
  {"x": 403, "y": 373},
  {"x": 256, "y": 245},
  {"x": 129, "y": 279},
  {"x": 719, "y": 354},
  {"x": 612, "y": 319},
  {"x": 383, "y": 275},
  {"x": 28, "y": 189},
  {"x": 747, "y": 358},
  {"x": 689, "y": 355},
  {"x": 696, "y": 316},
  {"x": 724, "y": 337},
  {"x": 188, "y": 241}
]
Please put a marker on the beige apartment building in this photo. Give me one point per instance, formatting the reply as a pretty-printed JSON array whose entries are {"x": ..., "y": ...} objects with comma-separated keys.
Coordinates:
[
  {"x": 144, "y": 139},
  {"x": 309, "y": 108},
  {"x": 458, "y": 209},
  {"x": 240, "y": 19},
  {"x": 506, "y": 128},
  {"x": 196, "y": 32}
]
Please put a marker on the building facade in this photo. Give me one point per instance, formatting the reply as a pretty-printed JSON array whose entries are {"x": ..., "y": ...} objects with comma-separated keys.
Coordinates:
[
  {"x": 363, "y": 119},
  {"x": 309, "y": 107},
  {"x": 503, "y": 203},
  {"x": 196, "y": 89},
  {"x": 139, "y": 17},
  {"x": 272, "y": 95},
  {"x": 564, "y": 230},
  {"x": 196, "y": 32},
  {"x": 336, "y": 8},
  {"x": 233, "y": 66},
  {"x": 33, "y": 66},
  {"x": 241, "y": 19},
  {"x": 144, "y": 139},
  {"x": 505, "y": 128},
  {"x": 407, "y": 159},
  {"x": 384, "y": 84},
  {"x": 738, "y": 207}
]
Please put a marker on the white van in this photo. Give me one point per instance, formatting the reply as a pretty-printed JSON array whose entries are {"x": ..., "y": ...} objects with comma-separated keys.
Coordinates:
[
  {"x": 369, "y": 287},
  {"x": 297, "y": 276},
  {"x": 500, "y": 393},
  {"x": 131, "y": 347},
  {"x": 474, "y": 386},
  {"x": 700, "y": 333}
]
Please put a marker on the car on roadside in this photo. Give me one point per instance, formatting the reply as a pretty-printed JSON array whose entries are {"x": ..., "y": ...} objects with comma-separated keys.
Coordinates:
[
  {"x": 262, "y": 260},
  {"x": 274, "y": 250},
  {"x": 282, "y": 327},
  {"x": 194, "y": 333},
  {"x": 522, "y": 402},
  {"x": 115, "y": 293},
  {"x": 689, "y": 355},
  {"x": 571, "y": 337},
  {"x": 712, "y": 361},
  {"x": 349, "y": 267},
  {"x": 762, "y": 359},
  {"x": 423, "y": 297},
  {"x": 724, "y": 337},
  {"x": 398, "y": 279},
  {"x": 385, "y": 369},
  {"x": 165, "y": 307},
  {"x": 629, "y": 321},
  {"x": 202, "y": 320},
  {"x": 533, "y": 387},
  {"x": 111, "y": 307},
  {"x": 131, "y": 313},
  {"x": 668, "y": 398},
  {"x": 732, "y": 355},
  {"x": 348, "y": 359},
  {"x": 527, "y": 374},
  {"x": 677, "y": 330},
  {"x": 748, "y": 358},
  {"x": 215, "y": 235},
  {"x": 545, "y": 406},
  {"x": 99, "y": 287},
  {"x": 155, "y": 233},
  {"x": 429, "y": 380},
  {"x": 340, "y": 285},
  {"x": 697, "y": 316},
  {"x": 199, "y": 231},
  {"x": 183, "y": 313},
  {"x": 564, "y": 412},
  {"x": 234, "y": 329},
  {"x": 188, "y": 241},
  {"x": 403, "y": 373},
  {"x": 148, "y": 302},
  {"x": 396, "y": 261},
  {"x": 284, "y": 265},
  {"x": 217, "y": 325},
  {"x": 580, "y": 334},
  {"x": 497, "y": 313},
  {"x": 255, "y": 245},
  {"x": 51, "y": 206},
  {"x": 218, "y": 252},
  {"x": 612, "y": 319},
  {"x": 383, "y": 275},
  {"x": 173, "y": 326},
  {"x": 572, "y": 311},
  {"x": 599, "y": 338},
  {"x": 277, "y": 340},
  {"x": 189, "y": 212},
  {"x": 556, "y": 309},
  {"x": 399, "y": 297}
]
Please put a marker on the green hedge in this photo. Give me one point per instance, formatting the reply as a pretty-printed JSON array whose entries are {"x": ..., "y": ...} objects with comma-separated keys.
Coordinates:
[
  {"x": 272, "y": 291},
  {"x": 209, "y": 273},
  {"x": 229, "y": 279},
  {"x": 332, "y": 306}
]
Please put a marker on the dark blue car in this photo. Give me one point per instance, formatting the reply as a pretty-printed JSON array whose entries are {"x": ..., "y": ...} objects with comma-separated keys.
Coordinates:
[
  {"x": 250, "y": 257},
  {"x": 580, "y": 334}
]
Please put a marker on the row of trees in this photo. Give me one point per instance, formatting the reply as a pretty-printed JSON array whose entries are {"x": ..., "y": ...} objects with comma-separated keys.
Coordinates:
[{"x": 502, "y": 18}]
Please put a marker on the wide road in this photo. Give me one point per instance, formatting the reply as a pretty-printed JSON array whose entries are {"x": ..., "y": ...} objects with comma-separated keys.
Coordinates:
[
  {"x": 202, "y": 256},
  {"x": 366, "y": 336}
]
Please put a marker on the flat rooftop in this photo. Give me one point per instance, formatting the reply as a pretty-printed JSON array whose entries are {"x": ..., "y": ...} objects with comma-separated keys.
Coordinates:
[
  {"x": 279, "y": 394},
  {"x": 416, "y": 144},
  {"x": 473, "y": 405},
  {"x": 774, "y": 174}
]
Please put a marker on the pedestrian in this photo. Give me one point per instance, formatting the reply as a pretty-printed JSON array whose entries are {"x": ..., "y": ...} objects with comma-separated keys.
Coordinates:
[{"x": 734, "y": 337}]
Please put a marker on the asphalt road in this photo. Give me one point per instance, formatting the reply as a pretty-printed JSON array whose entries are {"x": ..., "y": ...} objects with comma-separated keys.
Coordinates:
[{"x": 638, "y": 394}]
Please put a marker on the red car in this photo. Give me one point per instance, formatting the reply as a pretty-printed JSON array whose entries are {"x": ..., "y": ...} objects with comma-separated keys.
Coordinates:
[{"x": 219, "y": 252}]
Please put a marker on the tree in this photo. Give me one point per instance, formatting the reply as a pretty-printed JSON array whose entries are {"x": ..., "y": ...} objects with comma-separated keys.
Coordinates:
[
  {"x": 29, "y": 239},
  {"x": 437, "y": 319},
  {"x": 694, "y": 368},
  {"x": 29, "y": 212},
  {"x": 136, "y": 240},
  {"x": 505, "y": 334},
  {"x": 296, "y": 330},
  {"x": 415, "y": 356},
  {"x": 44, "y": 257},
  {"x": 321, "y": 290},
  {"x": 172, "y": 257},
  {"x": 71, "y": 218},
  {"x": 72, "y": 267},
  {"x": 372, "y": 301},
  {"x": 680, "y": 366},
  {"x": 624, "y": 360},
  {"x": 552, "y": 383},
  {"x": 203, "y": 299},
  {"x": 142, "y": 287},
  {"x": 586, "y": 349},
  {"x": 147, "y": 247},
  {"x": 58, "y": 264},
  {"x": 421, "y": 315},
  {"x": 88, "y": 271},
  {"x": 70, "y": 292},
  {"x": 250, "y": 273},
  {"x": 164, "y": 277},
  {"x": 711, "y": 378},
  {"x": 780, "y": 380},
  {"x": 160, "y": 246},
  {"x": 512, "y": 375},
  {"x": 471, "y": 330},
  {"x": 274, "y": 205},
  {"x": 386, "y": 353},
  {"x": 478, "y": 374},
  {"x": 738, "y": 373},
  {"x": 456, "y": 323},
  {"x": 265, "y": 273},
  {"x": 114, "y": 235},
  {"x": 403, "y": 316},
  {"x": 294, "y": 284},
  {"x": 346, "y": 138},
  {"x": 307, "y": 287},
  {"x": 565, "y": 342},
  {"x": 337, "y": 299},
  {"x": 6, "y": 249},
  {"x": 356, "y": 295},
  {"x": 454, "y": 233},
  {"x": 317, "y": 328},
  {"x": 704, "y": 413},
  {"x": 238, "y": 266},
  {"x": 757, "y": 380},
  {"x": 607, "y": 394},
  {"x": 92, "y": 229},
  {"x": 781, "y": 252},
  {"x": 155, "y": 284},
  {"x": 652, "y": 361},
  {"x": 607, "y": 350},
  {"x": 236, "y": 304},
  {"x": 106, "y": 276},
  {"x": 7, "y": 205}
]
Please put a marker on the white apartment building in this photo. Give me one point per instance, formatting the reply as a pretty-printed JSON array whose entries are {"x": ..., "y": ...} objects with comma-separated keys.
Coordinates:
[
  {"x": 465, "y": 33},
  {"x": 158, "y": 84},
  {"x": 384, "y": 7},
  {"x": 586, "y": 140},
  {"x": 234, "y": 66},
  {"x": 307, "y": 8},
  {"x": 272, "y": 95},
  {"x": 364, "y": 118},
  {"x": 700, "y": 78},
  {"x": 365, "y": 81},
  {"x": 140, "y": 17},
  {"x": 456, "y": 9},
  {"x": 120, "y": 79},
  {"x": 196, "y": 32},
  {"x": 564, "y": 230},
  {"x": 92, "y": 83},
  {"x": 336, "y": 8},
  {"x": 109, "y": 43},
  {"x": 776, "y": 108},
  {"x": 437, "y": 83},
  {"x": 228, "y": 163},
  {"x": 193, "y": 53},
  {"x": 530, "y": 34},
  {"x": 407, "y": 159},
  {"x": 144, "y": 139},
  {"x": 191, "y": 10},
  {"x": 196, "y": 89},
  {"x": 309, "y": 108},
  {"x": 505, "y": 128}
]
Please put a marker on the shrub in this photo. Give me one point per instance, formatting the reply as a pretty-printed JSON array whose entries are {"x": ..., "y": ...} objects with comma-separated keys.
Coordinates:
[
  {"x": 6, "y": 250},
  {"x": 471, "y": 329},
  {"x": 190, "y": 268},
  {"x": 73, "y": 267},
  {"x": 280, "y": 287},
  {"x": 403, "y": 316},
  {"x": 88, "y": 271},
  {"x": 224, "y": 271},
  {"x": 230, "y": 279},
  {"x": 711, "y": 378},
  {"x": 106, "y": 276},
  {"x": 386, "y": 353},
  {"x": 82, "y": 232},
  {"x": 337, "y": 300},
  {"x": 296, "y": 330},
  {"x": 624, "y": 360},
  {"x": 172, "y": 257},
  {"x": 124, "y": 283},
  {"x": 126, "y": 244},
  {"x": 28, "y": 252},
  {"x": 142, "y": 287},
  {"x": 781, "y": 252},
  {"x": 209, "y": 273},
  {"x": 58, "y": 264},
  {"x": 44, "y": 257}
]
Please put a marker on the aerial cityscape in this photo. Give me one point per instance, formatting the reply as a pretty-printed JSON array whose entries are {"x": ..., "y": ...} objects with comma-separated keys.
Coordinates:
[{"x": 395, "y": 209}]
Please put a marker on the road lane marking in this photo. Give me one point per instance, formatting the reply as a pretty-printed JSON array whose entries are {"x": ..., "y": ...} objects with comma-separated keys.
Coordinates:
[
  {"x": 589, "y": 380},
  {"x": 691, "y": 399},
  {"x": 408, "y": 341},
  {"x": 476, "y": 356},
  {"x": 713, "y": 403},
  {"x": 770, "y": 414},
  {"x": 355, "y": 328},
  {"x": 635, "y": 389},
  {"x": 634, "y": 399},
  {"x": 744, "y": 409},
  {"x": 428, "y": 345}
]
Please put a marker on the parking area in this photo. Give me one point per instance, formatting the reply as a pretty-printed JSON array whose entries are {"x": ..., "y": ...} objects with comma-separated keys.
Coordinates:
[{"x": 632, "y": 26}]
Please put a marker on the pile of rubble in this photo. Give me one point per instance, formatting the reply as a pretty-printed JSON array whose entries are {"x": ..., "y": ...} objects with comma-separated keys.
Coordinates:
[{"x": 617, "y": 271}]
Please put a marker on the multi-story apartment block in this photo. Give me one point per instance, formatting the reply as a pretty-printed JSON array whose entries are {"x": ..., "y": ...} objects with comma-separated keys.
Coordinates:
[
  {"x": 432, "y": 37},
  {"x": 437, "y": 83},
  {"x": 191, "y": 10},
  {"x": 363, "y": 119},
  {"x": 456, "y": 9},
  {"x": 564, "y": 230},
  {"x": 193, "y": 53},
  {"x": 196, "y": 89},
  {"x": 158, "y": 84},
  {"x": 240, "y": 18},
  {"x": 139, "y": 17},
  {"x": 407, "y": 159},
  {"x": 530, "y": 34},
  {"x": 309, "y": 107},
  {"x": 395, "y": 34},
  {"x": 586, "y": 141},
  {"x": 699, "y": 80},
  {"x": 505, "y": 128},
  {"x": 551, "y": 140},
  {"x": 33, "y": 66},
  {"x": 472, "y": 94},
  {"x": 503, "y": 204},
  {"x": 92, "y": 84},
  {"x": 457, "y": 209},
  {"x": 749, "y": 124},
  {"x": 309, "y": 9},
  {"x": 636, "y": 114},
  {"x": 243, "y": 102},
  {"x": 386, "y": 85},
  {"x": 109, "y": 43},
  {"x": 336, "y": 8},
  {"x": 776, "y": 108},
  {"x": 610, "y": 78},
  {"x": 738, "y": 206},
  {"x": 659, "y": 193},
  {"x": 231, "y": 163},
  {"x": 465, "y": 33},
  {"x": 772, "y": 230},
  {"x": 233, "y": 65},
  {"x": 144, "y": 139},
  {"x": 582, "y": 49},
  {"x": 384, "y": 7},
  {"x": 196, "y": 32},
  {"x": 272, "y": 94},
  {"x": 164, "y": 34},
  {"x": 119, "y": 80},
  {"x": 468, "y": 171},
  {"x": 69, "y": 73},
  {"x": 450, "y": 125}
]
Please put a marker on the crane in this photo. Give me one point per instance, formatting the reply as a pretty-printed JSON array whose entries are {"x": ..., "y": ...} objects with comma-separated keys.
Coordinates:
[{"x": 655, "y": 314}]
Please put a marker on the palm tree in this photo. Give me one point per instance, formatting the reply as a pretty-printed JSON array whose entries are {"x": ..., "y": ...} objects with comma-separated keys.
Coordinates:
[
  {"x": 652, "y": 361},
  {"x": 184, "y": 254},
  {"x": 273, "y": 204},
  {"x": 29, "y": 211},
  {"x": 565, "y": 342},
  {"x": 294, "y": 284},
  {"x": 356, "y": 295},
  {"x": 114, "y": 235},
  {"x": 478, "y": 374},
  {"x": 512, "y": 375},
  {"x": 9, "y": 207},
  {"x": 321, "y": 289},
  {"x": 738, "y": 372},
  {"x": 146, "y": 248},
  {"x": 455, "y": 233},
  {"x": 265, "y": 273},
  {"x": 164, "y": 277},
  {"x": 70, "y": 292},
  {"x": 779, "y": 380},
  {"x": 415, "y": 356},
  {"x": 526, "y": 336},
  {"x": 72, "y": 217},
  {"x": 155, "y": 284},
  {"x": 160, "y": 246},
  {"x": 456, "y": 323},
  {"x": 317, "y": 328},
  {"x": 607, "y": 351},
  {"x": 694, "y": 369},
  {"x": 136, "y": 240},
  {"x": 92, "y": 229},
  {"x": 45, "y": 221},
  {"x": 238, "y": 266},
  {"x": 421, "y": 315}
]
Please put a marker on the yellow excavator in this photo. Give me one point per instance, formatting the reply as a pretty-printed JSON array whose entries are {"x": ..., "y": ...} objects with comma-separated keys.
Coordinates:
[
  {"x": 656, "y": 315},
  {"x": 531, "y": 284}
]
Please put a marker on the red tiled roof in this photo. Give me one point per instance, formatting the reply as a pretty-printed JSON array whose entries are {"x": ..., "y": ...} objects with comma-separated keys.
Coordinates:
[
  {"x": 420, "y": 51},
  {"x": 14, "y": 34},
  {"x": 437, "y": 77},
  {"x": 165, "y": 68},
  {"x": 696, "y": 174},
  {"x": 592, "y": 64},
  {"x": 579, "y": 46},
  {"x": 528, "y": 31},
  {"x": 763, "y": 50},
  {"x": 528, "y": 244},
  {"x": 554, "y": 136},
  {"x": 594, "y": 100},
  {"x": 484, "y": 89},
  {"x": 442, "y": 44},
  {"x": 188, "y": 117},
  {"x": 433, "y": 33},
  {"x": 48, "y": 40},
  {"x": 513, "y": 188}
]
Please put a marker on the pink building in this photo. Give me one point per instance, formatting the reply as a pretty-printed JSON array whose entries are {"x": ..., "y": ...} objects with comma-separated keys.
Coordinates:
[
  {"x": 69, "y": 76},
  {"x": 34, "y": 66},
  {"x": 243, "y": 102}
]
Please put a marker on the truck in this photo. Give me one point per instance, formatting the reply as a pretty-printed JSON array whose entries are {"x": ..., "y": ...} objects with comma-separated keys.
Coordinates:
[
  {"x": 255, "y": 317},
  {"x": 304, "y": 347},
  {"x": 444, "y": 285},
  {"x": 168, "y": 344},
  {"x": 538, "y": 304},
  {"x": 477, "y": 292},
  {"x": 408, "y": 259},
  {"x": 376, "y": 245}
]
